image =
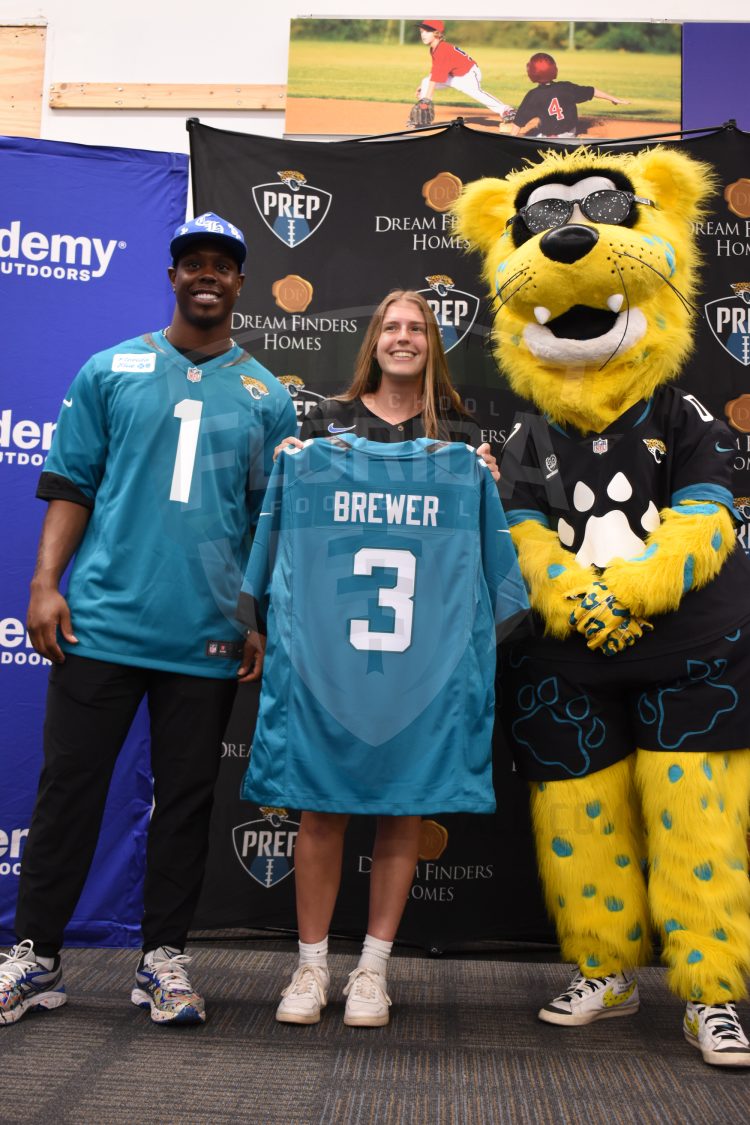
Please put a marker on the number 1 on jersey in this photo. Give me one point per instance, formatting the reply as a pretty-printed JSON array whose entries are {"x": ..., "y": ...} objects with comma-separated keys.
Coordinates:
[
  {"x": 398, "y": 598},
  {"x": 189, "y": 412}
]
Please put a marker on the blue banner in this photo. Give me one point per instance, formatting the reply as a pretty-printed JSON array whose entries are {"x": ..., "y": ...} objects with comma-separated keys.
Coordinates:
[{"x": 84, "y": 237}]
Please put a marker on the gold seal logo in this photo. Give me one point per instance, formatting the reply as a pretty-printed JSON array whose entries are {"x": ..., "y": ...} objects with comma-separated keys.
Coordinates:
[
  {"x": 442, "y": 191},
  {"x": 433, "y": 840},
  {"x": 737, "y": 411},
  {"x": 292, "y": 293},
  {"x": 737, "y": 196}
]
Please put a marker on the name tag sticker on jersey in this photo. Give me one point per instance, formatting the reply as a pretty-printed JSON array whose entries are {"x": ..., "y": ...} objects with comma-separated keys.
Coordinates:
[
  {"x": 225, "y": 650},
  {"x": 137, "y": 361}
]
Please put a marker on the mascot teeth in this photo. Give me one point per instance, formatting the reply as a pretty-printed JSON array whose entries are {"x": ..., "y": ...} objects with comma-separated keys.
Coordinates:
[
  {"x": 629, "y": 327},
  {"x": 542, "y": 315},
  {"x": 615, "y": 302}
]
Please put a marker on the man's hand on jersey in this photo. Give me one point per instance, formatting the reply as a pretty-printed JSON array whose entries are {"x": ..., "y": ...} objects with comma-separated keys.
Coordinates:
[
  {"x": 603, "y": 622},
  {"x": 47, "y": 612},
  {"x": 252, "y": 658},
  {"x": 287, "y": 443}
]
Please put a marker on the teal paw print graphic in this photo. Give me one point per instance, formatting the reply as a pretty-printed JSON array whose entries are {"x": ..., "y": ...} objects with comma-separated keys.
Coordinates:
[
  {"x": 558, "y": 727},
  {"x": 710, "y": 698}
]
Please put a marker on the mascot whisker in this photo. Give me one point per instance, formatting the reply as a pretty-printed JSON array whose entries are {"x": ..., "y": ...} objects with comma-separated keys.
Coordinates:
[{"x": 628, "y": 712}]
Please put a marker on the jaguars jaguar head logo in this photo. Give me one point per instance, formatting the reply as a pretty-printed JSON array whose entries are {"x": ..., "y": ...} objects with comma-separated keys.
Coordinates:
[{"x": 592, "y": 266}]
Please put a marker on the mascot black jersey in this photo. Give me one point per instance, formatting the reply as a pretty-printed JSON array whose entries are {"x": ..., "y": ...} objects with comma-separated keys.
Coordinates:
[{"x": 602, "y": 495}]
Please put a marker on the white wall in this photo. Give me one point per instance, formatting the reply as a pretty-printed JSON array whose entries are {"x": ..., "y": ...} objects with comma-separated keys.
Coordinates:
[{"x": 235, "y": 41}]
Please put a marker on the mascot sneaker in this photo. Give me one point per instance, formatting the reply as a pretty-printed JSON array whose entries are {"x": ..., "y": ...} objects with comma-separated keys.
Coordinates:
[
  {"x": 593, "y": 998},
  {"x": 717, "y": 1033},
  {"x": 162, "y": 984},
  {"x": 25, "y": 984},
  {"x": 367, "y": 1001},
  {"x": 305, "y": 996}
]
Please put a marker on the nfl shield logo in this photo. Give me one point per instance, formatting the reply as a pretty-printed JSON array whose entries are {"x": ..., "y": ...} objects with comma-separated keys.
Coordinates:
[
  {"x": 194, "y": 374},
  {"x": 600, "y": 445}
]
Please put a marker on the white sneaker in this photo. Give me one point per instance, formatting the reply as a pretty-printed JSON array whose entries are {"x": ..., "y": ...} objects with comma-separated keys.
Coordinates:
[
  {"x": 305, "y": 996},
  {"x": 593, "y": 998},
  {"x": 367, "y": 1001},
  {"x": 717, "y": 1033}
]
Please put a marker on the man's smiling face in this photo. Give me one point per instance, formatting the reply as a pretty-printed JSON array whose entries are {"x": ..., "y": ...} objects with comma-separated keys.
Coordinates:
[{"x": 207, "y": 282}]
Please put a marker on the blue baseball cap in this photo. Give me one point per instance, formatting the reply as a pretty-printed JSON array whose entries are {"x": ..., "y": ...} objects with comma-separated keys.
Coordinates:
[{"x": 213, "y": 227}]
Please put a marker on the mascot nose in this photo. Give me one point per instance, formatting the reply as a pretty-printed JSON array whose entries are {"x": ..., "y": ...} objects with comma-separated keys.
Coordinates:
[{"x": 570, "y": 243}]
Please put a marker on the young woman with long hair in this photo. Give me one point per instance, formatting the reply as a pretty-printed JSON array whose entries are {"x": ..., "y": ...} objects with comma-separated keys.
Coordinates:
[{"x": 400, "y": 390}]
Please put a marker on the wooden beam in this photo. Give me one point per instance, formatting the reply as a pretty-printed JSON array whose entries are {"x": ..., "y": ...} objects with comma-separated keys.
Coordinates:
[
  {"x": 21, "y": 80},
  {"x": 164, "y": 95}
]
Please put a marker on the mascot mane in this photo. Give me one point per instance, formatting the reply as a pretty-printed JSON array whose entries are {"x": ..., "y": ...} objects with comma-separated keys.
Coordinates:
[{"x": 592, "y": 316}]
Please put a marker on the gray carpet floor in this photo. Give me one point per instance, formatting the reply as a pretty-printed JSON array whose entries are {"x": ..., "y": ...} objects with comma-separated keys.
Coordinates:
[{"x": 463, "y": 1047}]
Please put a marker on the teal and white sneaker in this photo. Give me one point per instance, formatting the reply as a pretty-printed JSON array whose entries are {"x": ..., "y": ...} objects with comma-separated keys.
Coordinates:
[
  {"x": 25, "y": 984},
  {"x": 717, "y": 1033},
  {"x": 162, "y": 984},
  {"x": 593, "y": 998}
]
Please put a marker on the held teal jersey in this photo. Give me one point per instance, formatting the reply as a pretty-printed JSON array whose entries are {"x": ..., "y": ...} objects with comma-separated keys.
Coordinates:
[
  {"x": 173, "y": 459},
  {"x": 382, "y": 571}
]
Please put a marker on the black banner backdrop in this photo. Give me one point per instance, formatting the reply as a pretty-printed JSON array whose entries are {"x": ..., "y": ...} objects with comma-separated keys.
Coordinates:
[{"x": 331, "y": 228}]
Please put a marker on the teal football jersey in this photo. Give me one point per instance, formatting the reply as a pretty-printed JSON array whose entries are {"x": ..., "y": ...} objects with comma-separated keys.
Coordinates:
[
  {"x": 383, "y": 571},
  {"x": 173, "y": 459}
]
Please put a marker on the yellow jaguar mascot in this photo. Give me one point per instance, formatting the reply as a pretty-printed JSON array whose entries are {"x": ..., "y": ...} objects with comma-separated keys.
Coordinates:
[{"x": 629, "y": 713}]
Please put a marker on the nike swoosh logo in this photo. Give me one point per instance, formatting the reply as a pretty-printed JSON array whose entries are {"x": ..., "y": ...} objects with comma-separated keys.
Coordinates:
[
  {"x": 513, "y": 432},
  {"x": 67, "y": 402},
  {"x": 723, "y": 449},
  {"x": 340, "y": 429}
]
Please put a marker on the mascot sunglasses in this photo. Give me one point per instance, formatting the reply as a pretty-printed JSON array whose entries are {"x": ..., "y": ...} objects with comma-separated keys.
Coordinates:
[{"x": 605, "y": 206}]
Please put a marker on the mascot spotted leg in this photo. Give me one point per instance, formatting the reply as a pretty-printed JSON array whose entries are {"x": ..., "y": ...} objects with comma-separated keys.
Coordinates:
[{"x": 629, "y": 710}]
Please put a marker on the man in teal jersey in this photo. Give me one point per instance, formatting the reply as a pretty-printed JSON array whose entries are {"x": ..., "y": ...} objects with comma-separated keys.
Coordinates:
[{"x": 154, "y": 483}]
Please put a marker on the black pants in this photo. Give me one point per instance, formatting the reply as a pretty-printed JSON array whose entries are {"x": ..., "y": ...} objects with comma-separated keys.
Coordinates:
[{"x": 90, "y": 707}]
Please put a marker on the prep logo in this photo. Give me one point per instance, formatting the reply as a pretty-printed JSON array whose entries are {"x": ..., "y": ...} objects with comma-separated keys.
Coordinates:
[
  {"x": 729, "y": 320},
  {"x": 16, "y": 646},
  {"x": 265, "y": 848},
  {"x": 23, "y": 441},
  {"x": 64, "y": 257},
  {"x": 292, "y": 208},
  {"x": 455, "y": 310}
]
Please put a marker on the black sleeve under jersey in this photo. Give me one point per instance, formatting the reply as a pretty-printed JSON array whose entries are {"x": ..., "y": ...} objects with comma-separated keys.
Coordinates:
[{"x": 52, "y": 486}]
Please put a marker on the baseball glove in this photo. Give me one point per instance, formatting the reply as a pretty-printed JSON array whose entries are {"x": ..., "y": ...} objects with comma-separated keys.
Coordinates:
[{"x": 421, "y": 113}]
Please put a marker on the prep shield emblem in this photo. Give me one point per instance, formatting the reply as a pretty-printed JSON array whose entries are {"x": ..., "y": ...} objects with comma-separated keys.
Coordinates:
[
  {"x": 729, "y": 320},
  {"x": 292, "y": 209},
  {"x": 265, "y": 848}
]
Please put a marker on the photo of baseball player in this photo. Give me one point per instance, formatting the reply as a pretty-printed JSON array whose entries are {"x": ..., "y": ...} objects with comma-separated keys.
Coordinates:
[
  {"x": 452, "y": 68},
  {"x": 551, "y": 110},
  {"x": 356, "y": 77}
]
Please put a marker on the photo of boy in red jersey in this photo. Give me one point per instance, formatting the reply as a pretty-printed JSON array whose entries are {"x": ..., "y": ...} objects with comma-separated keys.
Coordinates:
[{"x": 452, "y": 67}]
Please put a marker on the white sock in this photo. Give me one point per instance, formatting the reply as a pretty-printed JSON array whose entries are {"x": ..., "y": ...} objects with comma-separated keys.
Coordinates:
[
  {"x": 314, "y": 953},
  {"x": 375, "y": 954},
  {"x": 47, "y": 963}
]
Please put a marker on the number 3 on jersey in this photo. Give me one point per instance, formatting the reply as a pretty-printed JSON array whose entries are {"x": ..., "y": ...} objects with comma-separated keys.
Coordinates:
[{"x": 399, "y": 598}]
